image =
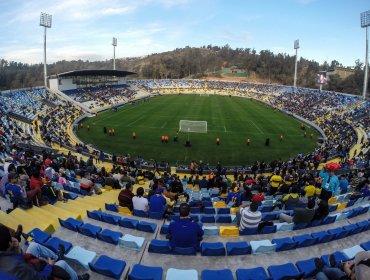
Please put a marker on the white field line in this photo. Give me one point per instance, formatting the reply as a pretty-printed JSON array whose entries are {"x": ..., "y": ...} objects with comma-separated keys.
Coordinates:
[
  {"x": 256, "y": 126},
  {"x": 135, "y": 121}
]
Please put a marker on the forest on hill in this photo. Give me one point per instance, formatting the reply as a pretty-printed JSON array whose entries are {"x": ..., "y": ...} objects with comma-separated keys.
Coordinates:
[{"x": 189, "y": 62}]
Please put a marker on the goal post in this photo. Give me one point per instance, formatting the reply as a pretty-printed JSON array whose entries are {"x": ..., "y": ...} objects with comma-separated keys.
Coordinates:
[{"x": 193, "y": 126}]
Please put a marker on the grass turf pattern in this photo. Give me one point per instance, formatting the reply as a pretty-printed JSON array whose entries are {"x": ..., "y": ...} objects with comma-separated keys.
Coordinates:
[{"x": 232, "y": 119}]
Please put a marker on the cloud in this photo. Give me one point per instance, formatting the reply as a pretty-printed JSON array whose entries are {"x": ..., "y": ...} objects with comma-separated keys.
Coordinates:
[{"x": 237, "y": 37}]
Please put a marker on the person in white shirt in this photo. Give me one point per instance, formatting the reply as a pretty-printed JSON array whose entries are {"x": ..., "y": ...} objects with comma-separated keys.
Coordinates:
[{"x": 139, "y": 202}]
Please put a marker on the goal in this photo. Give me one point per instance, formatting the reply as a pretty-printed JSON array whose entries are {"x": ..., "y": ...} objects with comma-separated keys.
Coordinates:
[{"x": 193, "y": 126}]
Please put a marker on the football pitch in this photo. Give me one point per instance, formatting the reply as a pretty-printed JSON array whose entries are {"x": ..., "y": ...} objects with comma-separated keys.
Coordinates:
[{"x": 231, "y": 119}]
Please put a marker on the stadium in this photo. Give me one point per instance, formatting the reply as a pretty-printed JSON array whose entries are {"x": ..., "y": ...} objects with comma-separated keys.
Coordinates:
[{"x": 105, "y": 175}]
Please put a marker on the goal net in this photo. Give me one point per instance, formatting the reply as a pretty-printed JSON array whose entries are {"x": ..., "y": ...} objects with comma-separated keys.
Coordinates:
[{"x": 193, "y": 126}]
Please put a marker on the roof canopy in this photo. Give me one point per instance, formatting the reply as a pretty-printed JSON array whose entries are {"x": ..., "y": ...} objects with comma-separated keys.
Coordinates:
[{"x": 79, "y": 73}]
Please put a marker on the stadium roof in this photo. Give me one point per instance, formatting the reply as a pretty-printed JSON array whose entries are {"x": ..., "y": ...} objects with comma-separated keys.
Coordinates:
[{"x": 78, "y": 73}]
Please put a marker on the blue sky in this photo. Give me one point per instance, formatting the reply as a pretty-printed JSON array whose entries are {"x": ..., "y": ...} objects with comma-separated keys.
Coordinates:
[{"x": 83, "y": 29}]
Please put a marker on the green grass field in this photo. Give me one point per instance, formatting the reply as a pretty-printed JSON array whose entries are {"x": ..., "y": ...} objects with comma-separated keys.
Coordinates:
[{"x": 232, "y": 119}]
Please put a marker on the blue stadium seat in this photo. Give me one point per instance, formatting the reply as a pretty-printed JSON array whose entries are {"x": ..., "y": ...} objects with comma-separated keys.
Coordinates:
[
  {"x": 338, "y": 233},
  {"x": 307, "y": 267},
  {"x": 185, "y": 251},
  {"x": 140, "y": 213},
  {"x": 225, "y": 219},
  {"x": 54, "y": 242},
  {"x": 156, "y": 215},
  {"x": 223, "y": 211},
  {"x": 109, "y": 236},
  {"x": 89, "y": 230},
  {"x": 315, "y": 223},
  {"x": 322, "y": 236},
  {"x": 339, "y": 257},
  {"x": 38, "y": 235},
  {"x": 257, "y": 273},
  {"x": 249, "y": 231},
  {"x": 209, "y": 210},
  {"x": 300, "y": 226},
  {"x": 96, "y": 215},
  {"x": 69, "y": 195},
  {"x": 128, "y": 223},
  {"x": 207, "y": 219},
  {"x": 108, "y": 266},
  {"x": 224, "y": 274},
  {"x": 364, "y": 225},
  {"x": 195, "y": 210},
  {"x": 159, "y": 246},
  {"x": 366, "y": 245},
  {"x": 141, "y": 272},
  {"x": 266, "y": 208},
  {"x": 329, "y": 220},
  {"x": 351, "y": 252},
  {"x": 147, "y": 227},
  {"x": 195, "y": 217},
  {"x": 352, "y": 229},
  {"x": 212, "y": 249},
  {"x": 284, "y": 271},
  {"x": 6, "y": 276},
  {"x": 268, "y": 229},
  {"x": 269, "y": 217},
  {"x": 164, "y": 229},
  {"x": 111, "y": 207},
  {"x": 70, "y": 223},
  {"x": 304, "y": 240},
  {"x": 238, "y": 248},
  {"x": 284, "y": 244},
  {"x": 110, "y": 219}
]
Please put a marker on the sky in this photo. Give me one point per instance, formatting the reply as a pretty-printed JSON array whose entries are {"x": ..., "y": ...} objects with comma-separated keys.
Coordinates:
[{"x": 83, "y": 29}]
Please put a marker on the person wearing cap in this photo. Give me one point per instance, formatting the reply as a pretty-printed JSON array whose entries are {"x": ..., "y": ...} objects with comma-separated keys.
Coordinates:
[
  {"x": 330, "y": 182},
  {"x": 30, "y": 265},
  {"x": 125, "y": 197},
  {"x": 185, "y": 233},
  {"x": 20, "y": 193}
]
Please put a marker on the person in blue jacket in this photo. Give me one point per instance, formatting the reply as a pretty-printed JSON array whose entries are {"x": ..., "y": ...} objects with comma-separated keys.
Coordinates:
[
  {"x": 185, "y": 233},
  {"x": 329, "y": 184}
]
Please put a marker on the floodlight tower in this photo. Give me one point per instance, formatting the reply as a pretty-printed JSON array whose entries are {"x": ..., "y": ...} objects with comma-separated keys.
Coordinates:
[
  {"x": 45, "y": 21},
  {"x": 296, "y": 47},
  {"x": 365, "y": 22},
  {"x": 114, "y": 44}
]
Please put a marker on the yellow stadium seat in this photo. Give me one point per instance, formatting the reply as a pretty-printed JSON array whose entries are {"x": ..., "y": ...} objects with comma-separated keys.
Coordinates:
[
  {"x": 229, "y": 231},
  {"x": 124, "y": 210},
  {"x": 8, "y": 221},
  {"x": 44, "y": 213},
  {"x": 341, "y": 206},
  {"x": 219, "y": 204},
  {"x": 62, "y": 213},
  {"x": 108, "y": 187},
  {"x": 72, "y": 208},
  {"x": 233, "y": 210},
  {"x": 29, "y": 222},
  {"x": 332, "y": 200}
]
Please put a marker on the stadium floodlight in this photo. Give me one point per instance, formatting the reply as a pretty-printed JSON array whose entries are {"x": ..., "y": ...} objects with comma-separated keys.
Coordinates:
[
  {"x": 365, "y": 23},
  {"x": 296, "y": 47},
  {"x": 45, "y": 21},
  {"x": 114, "y": 44}
]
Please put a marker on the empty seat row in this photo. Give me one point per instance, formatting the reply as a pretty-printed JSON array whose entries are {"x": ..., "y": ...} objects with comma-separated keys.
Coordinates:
[{"x": 263, "y": 246}]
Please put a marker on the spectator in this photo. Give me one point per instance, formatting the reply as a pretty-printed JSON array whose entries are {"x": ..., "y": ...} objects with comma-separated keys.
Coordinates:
[
  {"x": 233, "y": 198},
  {"x": 157, "y": 202},
  {"x": 29, "y": 266},
  {"x": 322, "y": 210},
  {"x": 300, "y": 215},
  {"x": 185, "y": 233},
  {"x": 343, "y": 184},
  {"x": 248, "y": 217},
  {"x": 330, "y": 183},
  {"x": 139, "y": 201},
  {"x": 125, "y": 197},
  {"x": 20, "y": 194}
]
